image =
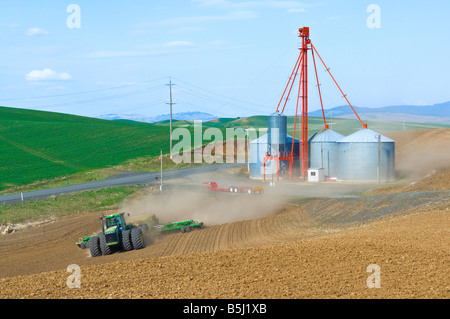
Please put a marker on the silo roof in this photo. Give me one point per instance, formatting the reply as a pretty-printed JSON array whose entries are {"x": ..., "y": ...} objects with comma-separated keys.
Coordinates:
[
  {"x": 261, "y": 140},
  {"x": 264, "y": 139},
  {"x": 327, "y": 136},
  {"x": 365, "y": 136},
  {"x": 290, "y": 138}
]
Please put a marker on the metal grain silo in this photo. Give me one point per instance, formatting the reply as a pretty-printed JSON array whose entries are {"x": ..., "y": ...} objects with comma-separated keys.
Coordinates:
[
  {"x": 277, "y": 133},
  {"x": 366, "y": 156},
  {"x": 258, "y": 150},
  {"x": 324, "y": 152}
]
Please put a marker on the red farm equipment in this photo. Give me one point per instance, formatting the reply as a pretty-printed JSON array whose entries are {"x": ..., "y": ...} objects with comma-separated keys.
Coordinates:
[{"x": 235, "y": 189}]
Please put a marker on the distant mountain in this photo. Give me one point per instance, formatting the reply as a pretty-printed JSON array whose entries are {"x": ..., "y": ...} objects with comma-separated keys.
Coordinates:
[
  {"x": 437, "y": 113},
  {"x": 186, "y": 116}
]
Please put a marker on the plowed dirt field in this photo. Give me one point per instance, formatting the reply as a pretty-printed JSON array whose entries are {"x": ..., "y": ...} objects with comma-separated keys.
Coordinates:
[{"x": 309, "y": 248}]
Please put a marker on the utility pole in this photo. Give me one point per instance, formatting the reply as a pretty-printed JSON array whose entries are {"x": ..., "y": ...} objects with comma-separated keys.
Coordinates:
[
  {"x": 170, "y": 103},
  {"x": 161, "y": 184}
]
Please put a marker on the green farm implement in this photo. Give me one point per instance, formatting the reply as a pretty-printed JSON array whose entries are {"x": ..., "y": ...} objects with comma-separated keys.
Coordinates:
[
  {"x": 116, "y": 235},
  {"x": 183, "y": 226}
]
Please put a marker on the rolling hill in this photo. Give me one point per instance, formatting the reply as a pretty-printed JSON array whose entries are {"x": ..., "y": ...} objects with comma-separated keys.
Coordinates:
[
  {"x": 437, "y": 113},
  {"x": 183, "y": 116},
  {"x": 44, "y": 145},
  {"x": 41, "y": 146}
]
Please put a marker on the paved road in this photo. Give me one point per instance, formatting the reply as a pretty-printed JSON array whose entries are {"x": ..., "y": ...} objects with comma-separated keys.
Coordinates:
[{"x": 119, "y": 180}]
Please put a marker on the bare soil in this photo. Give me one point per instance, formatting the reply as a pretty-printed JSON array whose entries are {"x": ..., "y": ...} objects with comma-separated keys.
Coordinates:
[{"x": 315, "y": 248}]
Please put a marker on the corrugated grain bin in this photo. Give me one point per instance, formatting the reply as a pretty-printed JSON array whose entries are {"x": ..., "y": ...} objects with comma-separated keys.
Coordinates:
[
  {"x": 324, "y": 152},
  {"x": 358, "y": 157},
  {"x": 258, "y": 150}
]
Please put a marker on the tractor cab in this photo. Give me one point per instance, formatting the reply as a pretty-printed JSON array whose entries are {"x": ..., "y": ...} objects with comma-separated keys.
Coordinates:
[{"x": 115, "y": 220}]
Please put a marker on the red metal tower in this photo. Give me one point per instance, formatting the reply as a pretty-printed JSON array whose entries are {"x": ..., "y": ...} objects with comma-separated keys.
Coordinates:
[
  {"x": 304, "y": 34},
  {"x": 302, "y": 66}
]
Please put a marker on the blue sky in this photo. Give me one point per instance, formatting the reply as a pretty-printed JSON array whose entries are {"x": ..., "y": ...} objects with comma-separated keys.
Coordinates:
[{"x": 226, "y": 57}]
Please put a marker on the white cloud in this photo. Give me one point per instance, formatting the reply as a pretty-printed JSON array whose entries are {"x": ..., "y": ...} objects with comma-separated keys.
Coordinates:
[
  {"x": 35, "y": 32},
  {"x": 47, "y": 75}
]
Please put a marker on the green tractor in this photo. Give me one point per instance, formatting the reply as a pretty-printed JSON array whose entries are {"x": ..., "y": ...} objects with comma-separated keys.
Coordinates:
[{"x": 116, "y": 235}]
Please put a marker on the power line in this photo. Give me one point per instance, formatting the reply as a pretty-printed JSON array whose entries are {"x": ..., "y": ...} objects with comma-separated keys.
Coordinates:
[
  {"x": 78, "y": 93},
  {"x": 140, "y": 88},
  {"x": 220, "y": 101},
  {"x": 222, "y": 96},
  {"x": 97, "y": 99}
]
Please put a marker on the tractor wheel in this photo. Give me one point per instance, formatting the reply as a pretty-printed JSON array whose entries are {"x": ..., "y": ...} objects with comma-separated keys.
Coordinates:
[
  {"x": 106, "y": 250},
  {"x": 137, "y": 238},
  {"x": 126, "y": 240},
  {"x": 188, "y": 229},
  {"x": 183, "y": 229},
  {"x": 144, "y": 228},
  {"x": 94, "y": 246},
  {"x": 146, "y": 233}
]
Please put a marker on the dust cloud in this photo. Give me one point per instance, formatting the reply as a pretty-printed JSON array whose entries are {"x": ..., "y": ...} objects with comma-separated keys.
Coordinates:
[
  {"x": 209, "y": 207},
  {"x": 421, "y": 150}
]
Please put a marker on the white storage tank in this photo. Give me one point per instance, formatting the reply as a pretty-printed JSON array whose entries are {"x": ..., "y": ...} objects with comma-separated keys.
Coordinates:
[
  {"x": 258, "y": 150},
  {"x": 366, "y": 156},
  {"x": 324, "y": 152}
]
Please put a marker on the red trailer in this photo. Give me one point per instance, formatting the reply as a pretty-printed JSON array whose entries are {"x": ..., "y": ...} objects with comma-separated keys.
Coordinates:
[{"x": 235, "y": 189}]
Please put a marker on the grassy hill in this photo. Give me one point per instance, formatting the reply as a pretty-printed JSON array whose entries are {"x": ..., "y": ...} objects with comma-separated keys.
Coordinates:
[{"x": 40, "y": 145}]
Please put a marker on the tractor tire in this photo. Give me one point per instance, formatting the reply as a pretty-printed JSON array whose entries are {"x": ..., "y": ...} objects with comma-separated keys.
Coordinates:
[
  {"x": 94, "y": 246},
  {"x": 183, "y": 229},
  {"x": 126, "y": 240},
  {"x": 188, "y": 229},
  {"x": 144, "y": 228},
  {"x": 106, "y": 250},
  {"x": 146, "y": 234},
  {"x": 137, "y": 238}
]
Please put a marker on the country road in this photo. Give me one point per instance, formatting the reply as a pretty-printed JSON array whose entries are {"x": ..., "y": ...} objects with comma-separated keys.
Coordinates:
[
  {"x": 131, "y": 178},
  {"x": 192, "y": 177}
]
